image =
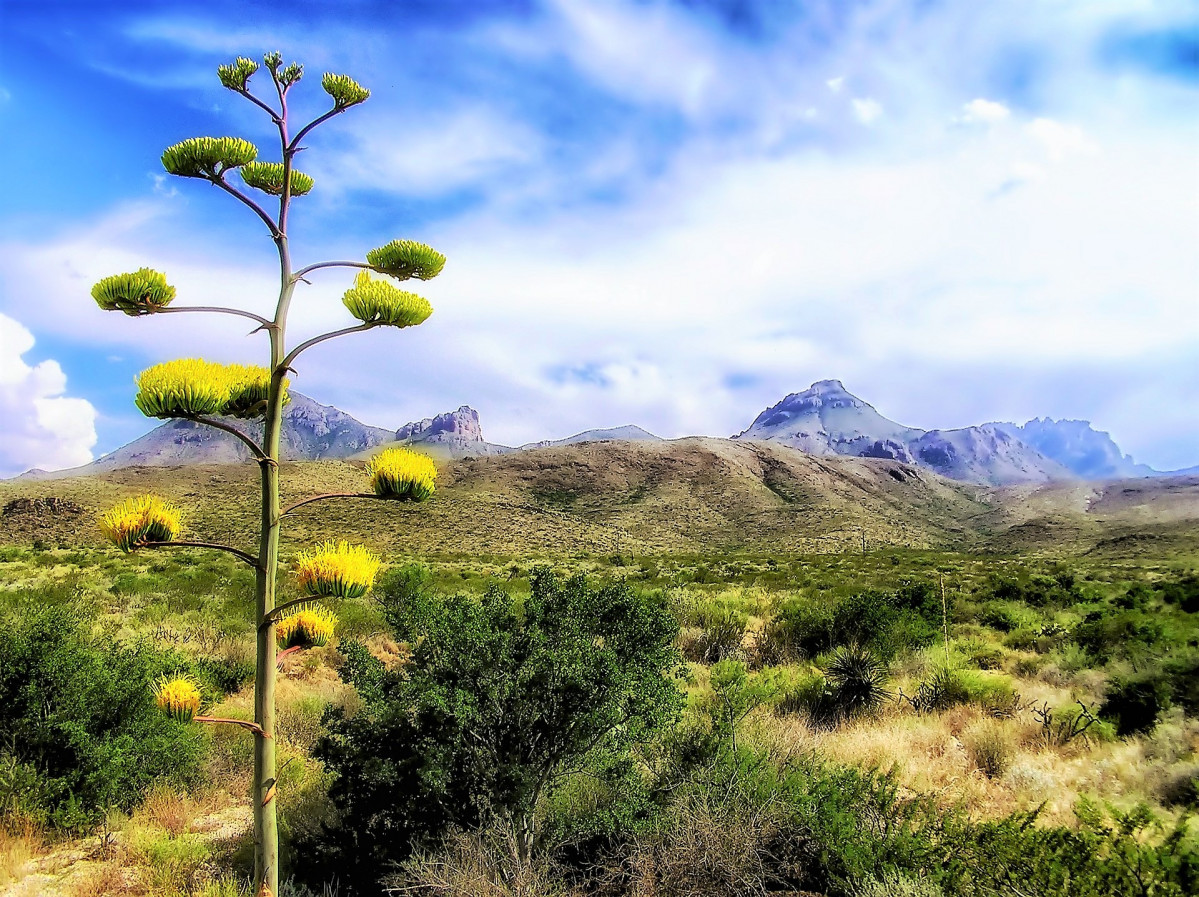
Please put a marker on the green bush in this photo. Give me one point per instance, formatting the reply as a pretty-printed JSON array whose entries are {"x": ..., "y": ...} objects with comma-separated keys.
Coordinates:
[
  {"x": 501, "y": 699},
  {"x": 887, "y": 622},
  {"x": 1134, "y": 702},
  {"x": 79, "y": 718}
]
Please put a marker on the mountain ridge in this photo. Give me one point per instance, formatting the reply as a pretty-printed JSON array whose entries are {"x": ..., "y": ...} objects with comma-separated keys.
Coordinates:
[{"x": 823, "y": 420}]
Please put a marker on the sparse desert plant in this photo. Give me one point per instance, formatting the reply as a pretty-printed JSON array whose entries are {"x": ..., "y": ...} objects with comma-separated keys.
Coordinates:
[
  {"x": 218, "y": 395},
  {"x": 990, "y": 747}
]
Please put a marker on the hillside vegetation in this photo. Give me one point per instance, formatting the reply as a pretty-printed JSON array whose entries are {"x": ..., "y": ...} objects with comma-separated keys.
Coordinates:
[{"x": 685, "y": 496}]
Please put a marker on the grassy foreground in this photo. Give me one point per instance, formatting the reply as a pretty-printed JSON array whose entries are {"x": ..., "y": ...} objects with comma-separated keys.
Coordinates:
[{"x": 1067, "y": 687}]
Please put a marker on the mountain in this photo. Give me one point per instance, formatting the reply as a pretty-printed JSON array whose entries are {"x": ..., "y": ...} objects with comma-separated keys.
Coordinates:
[
  {"x": 826, "y": 419},
  {"x": 456, "y": 434},
  {"x": 627, "y": 433},
  {"x": 311, "y": 431},
  {"x": 1088, "y": 453}
]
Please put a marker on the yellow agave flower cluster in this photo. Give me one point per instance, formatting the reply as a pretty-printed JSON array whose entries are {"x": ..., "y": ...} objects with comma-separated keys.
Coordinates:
[
  {"x": 140, "y": 521},
  {"x": 178, "y": 697},
  {"x": 140, "y": 292},
  {"x": 337, "y": 570},
  {"x": 306, "y": 628},
  {"x": 379, "y": 302},
  {"x": 191, "y": 387},
  {"x": 402, "y": 473}
]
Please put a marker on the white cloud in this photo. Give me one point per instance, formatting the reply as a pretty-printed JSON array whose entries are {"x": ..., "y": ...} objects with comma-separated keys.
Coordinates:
[
  {"x": 1061, "y": 141},
  {"x": 42, "y": 426},
  {"x": 984, "y": 111},
  {"x": 835, "y": 84},
  {"x": 867, "y": 110}
]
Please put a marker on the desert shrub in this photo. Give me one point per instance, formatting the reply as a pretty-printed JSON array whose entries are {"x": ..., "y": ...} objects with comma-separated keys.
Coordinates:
[
  {"x": 501, "y": 699},
  {"x": 1134, "y": 702},
  {"x": 78, "y": 715},
  {"x": 1181, "y": 670},
  {"x": 719, "y": 627},
  {"x": 990, "y": 748},
  {"x": 804, "y": 694},
  {"x": 947, "y": 687},
  {"x": 1121, "y": 634},
  {"x": 887, "y": 622},
  {"x": 1183, "y": 591},
  {"x": 1003, "y": 617}
]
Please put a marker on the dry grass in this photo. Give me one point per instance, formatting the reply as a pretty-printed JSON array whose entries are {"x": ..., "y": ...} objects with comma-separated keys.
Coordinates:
[
  {"x": 20, "y": 842},
  {"x": 475, "y": 865}
]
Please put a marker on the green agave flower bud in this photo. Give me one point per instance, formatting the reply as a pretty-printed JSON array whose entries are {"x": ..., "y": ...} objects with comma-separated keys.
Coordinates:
[
  {"x": 237, "y": 74},
  {"x": 268, "y": 177},
  {"x": 273, "y": 60},
  {"x": 207, "y": 157},
  {"x": 140, "y": 292},
  {"x": 378, "y": 302},
  {"x": 291, "y": 74},
  {"x": 344, "y": 90},
  {"x": 403, "y": 259}
]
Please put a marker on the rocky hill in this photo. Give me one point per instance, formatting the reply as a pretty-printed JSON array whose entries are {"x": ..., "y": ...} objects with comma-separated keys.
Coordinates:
[
  {"x": 826, "y": 419},
  {"x": 627, "y": 433}
]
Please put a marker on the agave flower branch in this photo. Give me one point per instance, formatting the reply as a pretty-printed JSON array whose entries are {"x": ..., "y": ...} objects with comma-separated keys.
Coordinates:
[{"x": 214, "y": 394}]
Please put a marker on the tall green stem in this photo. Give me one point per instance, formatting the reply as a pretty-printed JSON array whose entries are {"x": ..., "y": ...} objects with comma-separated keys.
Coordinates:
[{"x": 266, "y": 823}]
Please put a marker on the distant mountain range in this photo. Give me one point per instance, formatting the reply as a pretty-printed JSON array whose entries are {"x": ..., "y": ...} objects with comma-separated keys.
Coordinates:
[{"x": 824, "y": 419}]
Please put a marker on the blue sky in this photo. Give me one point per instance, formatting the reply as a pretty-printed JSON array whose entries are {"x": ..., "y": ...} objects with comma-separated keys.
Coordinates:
[{"x": 663, "y": 213}]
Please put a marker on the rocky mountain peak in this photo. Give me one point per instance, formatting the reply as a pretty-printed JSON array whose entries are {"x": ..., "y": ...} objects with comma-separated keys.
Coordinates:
[{"x": 462, "y": 425}]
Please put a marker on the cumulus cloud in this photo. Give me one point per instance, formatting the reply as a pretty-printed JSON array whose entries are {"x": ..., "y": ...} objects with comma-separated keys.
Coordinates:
[
  {"x": 984, "y": 111},
  {"x": 42, "y": 426}
]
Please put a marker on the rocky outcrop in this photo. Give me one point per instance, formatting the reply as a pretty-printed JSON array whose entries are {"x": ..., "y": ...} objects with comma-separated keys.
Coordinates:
[
  {"x": 1088, "y": 453},
  {"x": 456, "y": 433}
]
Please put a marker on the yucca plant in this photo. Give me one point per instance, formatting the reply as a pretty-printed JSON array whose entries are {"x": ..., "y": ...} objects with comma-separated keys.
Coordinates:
[
  {"x": 857, "y": 681},
  {"x": 218, "y": 395}
]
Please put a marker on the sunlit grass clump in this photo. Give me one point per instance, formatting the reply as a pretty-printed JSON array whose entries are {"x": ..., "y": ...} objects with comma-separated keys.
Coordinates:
[
  {"x": 379, "y": 302},
  {"x": 207, "y": 157},
  {"x": 140, "y": 292},
  {"x": 140, "y": 521},
  {"x": 178, "y": 697},
  {"x": 192, "y": 387},
  {"x": 404, "y": 259},
  {"x": 307, "y": 627},
  {"x": 337, "y": 570}
]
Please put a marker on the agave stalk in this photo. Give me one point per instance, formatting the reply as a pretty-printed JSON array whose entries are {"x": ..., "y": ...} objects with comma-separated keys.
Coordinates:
[{"x": 194, "y": 390}]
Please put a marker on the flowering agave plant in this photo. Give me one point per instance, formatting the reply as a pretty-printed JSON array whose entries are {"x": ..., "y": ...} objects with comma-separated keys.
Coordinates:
[
  {"x": 307, "y": 627},
  {"x": 178, "y": 697},
  {"x": 147, "y": 520},
  {"x": 402, "y": 473},
  {"x": 218, "y": 395},
  {"x": 338, "y": 570}
]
